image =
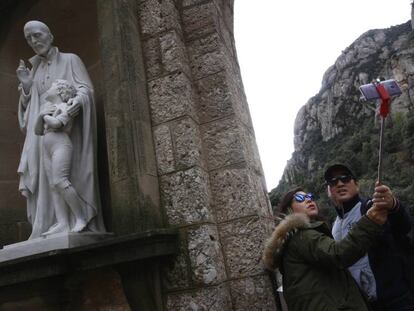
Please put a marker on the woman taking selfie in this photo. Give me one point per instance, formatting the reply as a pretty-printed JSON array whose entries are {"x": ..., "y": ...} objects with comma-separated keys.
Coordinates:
[{"x": 313, "y": 264}]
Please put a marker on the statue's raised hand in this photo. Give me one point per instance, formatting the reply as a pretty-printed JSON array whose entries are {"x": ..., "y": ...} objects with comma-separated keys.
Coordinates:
[{"x": 25, "y": 76}]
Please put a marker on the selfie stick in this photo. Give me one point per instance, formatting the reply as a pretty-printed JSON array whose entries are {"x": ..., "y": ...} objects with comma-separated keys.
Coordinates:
[{"x": 384, "y": 111}]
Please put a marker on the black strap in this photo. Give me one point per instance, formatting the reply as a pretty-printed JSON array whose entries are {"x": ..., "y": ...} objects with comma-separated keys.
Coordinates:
[{"x": 273, "y": 280}]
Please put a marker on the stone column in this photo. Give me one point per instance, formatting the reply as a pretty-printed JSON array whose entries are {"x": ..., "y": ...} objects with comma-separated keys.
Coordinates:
[
  {"x": 211, "y": 181},
  {"x": 132, "y": 168}
]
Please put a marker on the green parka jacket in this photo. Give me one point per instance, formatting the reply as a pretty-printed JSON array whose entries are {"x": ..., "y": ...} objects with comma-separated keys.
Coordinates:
[{"x": 314, "y": 265}]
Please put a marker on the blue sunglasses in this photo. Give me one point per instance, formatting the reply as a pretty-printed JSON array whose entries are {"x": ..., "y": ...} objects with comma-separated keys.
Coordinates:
[{"x": 302, "y": 197}]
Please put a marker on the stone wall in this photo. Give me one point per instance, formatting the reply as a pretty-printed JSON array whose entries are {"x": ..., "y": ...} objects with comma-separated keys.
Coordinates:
[{"x": 211, "y": 181}]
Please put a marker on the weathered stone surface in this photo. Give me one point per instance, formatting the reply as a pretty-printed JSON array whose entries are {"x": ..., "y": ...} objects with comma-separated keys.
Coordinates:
[
  {"x": 234, "y": 193},
  {"x": 158, "y": 16},
  {"x": 253, "y": 293},
  {"x": 215, "y": 298},
  {"x": 200, "y": 20},
  {"x": 251, "y": 151},
  {"x": 260, "y": 189},
  {"x": 216, "y": 97},
  {"x": 164, "y": 54},
  {"x": 171, "y": 97},
  {"x": 190, "y": 2},
  {"x": 207, "y": 55},
  {"x": 185, "y": 197},
  {"x": 245, "y": 236},
  {"x": 223, "y": 142},
  {"x": 207, "y": 264},
  {"x": 164, "y": 149},
  {"x": 187, "y": 143},
  {"x": 178, "y": 145},
  {"x": 152, "y": 57},
  {"x": 173, "y": 52}
]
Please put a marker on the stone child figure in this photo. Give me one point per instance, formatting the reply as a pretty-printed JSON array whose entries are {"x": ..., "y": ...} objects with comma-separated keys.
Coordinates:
[
  {"x": 55, "y": 123},
  {"x": 48, "y": 65}
]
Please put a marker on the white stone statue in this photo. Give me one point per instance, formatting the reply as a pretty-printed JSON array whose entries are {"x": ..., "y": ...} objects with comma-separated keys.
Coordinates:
[{"x": 58, "y": 179}]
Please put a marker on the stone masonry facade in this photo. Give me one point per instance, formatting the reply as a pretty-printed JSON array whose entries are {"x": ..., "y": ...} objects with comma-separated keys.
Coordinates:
[{"x": 211, "y": 181}]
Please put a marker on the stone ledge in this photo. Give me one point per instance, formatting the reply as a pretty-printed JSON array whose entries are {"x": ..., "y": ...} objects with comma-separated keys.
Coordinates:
[{"x": 114, "y": 251}]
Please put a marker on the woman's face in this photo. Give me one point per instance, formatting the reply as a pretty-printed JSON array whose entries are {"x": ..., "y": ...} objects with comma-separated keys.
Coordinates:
[{"x": 304, "y": 203}]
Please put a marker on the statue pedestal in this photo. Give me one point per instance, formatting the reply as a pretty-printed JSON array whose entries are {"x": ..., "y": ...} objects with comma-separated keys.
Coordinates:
[
  {"x": 123, "y": 272},
  {"x": 53, "y": 242}
]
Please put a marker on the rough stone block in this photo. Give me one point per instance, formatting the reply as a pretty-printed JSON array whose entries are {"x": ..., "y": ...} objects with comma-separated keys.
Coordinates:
[
  {"x": 216, "y": 298},
  {"x": 164, "y": 54},
  {"x": 185, "y": 197},
  {"x": 164, "y": 149},
  {"x": 187, "y": 143},
  {"x": 226, "y": 11},
  {"x": 262, "y": 195},
  {"x": 207, "y": 264},
  {"x": 234, "y": 194},
  {"x": 186, "y": 3},
  {"x": 200, "y": 20},
  {"x": 152, "y": 57},
  {"x": 253, "y": 293},
  {"x": 207, "y": 55},
  {"x": 242, "y": 107},
  {"x": 245, "y": 236},
  {"x": 158, "y": 16},
  {"x": 223, "y": 143},
  {"x": 171, "y": 97},
  {"x": 251, "y": 149},
  {"x": 173, "y": 53},
  {"x": 216, "y": 97}
]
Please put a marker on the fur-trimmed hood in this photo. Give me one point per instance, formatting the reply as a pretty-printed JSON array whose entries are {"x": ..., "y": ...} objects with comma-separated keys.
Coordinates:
[{"x": 275, "y": 244}]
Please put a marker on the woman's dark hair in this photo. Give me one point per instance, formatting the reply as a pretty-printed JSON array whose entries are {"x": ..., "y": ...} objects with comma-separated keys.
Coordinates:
[{"x": 286, "y": 201}]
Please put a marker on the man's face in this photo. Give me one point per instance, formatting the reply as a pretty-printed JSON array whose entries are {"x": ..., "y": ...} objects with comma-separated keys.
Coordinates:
[
  {"x": 342, "y": 191},
  {"x": 38, "y": 38}
]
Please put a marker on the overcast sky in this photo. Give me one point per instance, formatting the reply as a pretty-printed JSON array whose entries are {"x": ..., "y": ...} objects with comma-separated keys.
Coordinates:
[{"x": 285, "y": 47}]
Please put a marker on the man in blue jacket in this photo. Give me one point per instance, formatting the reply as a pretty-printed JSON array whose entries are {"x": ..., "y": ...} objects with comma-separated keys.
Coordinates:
[{"x": 385, "y": 273}]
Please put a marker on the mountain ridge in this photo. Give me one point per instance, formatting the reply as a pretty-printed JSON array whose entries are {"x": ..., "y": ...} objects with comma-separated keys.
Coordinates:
[{"x": 335, "y": 126}]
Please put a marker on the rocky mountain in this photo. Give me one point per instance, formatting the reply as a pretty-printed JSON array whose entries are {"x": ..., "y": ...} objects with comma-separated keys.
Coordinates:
[{"x": 337, "y": 126}]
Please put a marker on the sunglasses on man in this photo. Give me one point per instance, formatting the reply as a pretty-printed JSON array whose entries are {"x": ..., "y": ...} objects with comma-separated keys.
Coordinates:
[
  {"x": 343, "y": 178},
  {"x": 302, "y": 197}
]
